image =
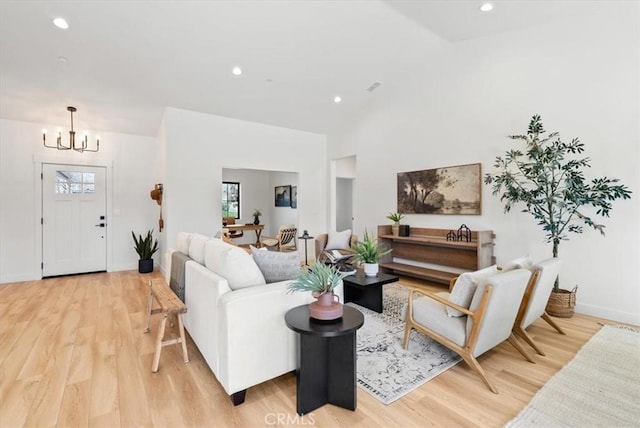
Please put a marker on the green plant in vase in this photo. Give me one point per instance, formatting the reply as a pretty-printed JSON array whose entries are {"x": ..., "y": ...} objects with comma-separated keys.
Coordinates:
[
  {"x": 395, "y": 218},
  {"x": 145, "y": 248},
  {"x": 320, "y": 280},
  {"x": 369, "y": 252}
]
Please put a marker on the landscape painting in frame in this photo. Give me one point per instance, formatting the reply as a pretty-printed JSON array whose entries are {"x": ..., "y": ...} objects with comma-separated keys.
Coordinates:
[
  {"x": 449, "y": 190},
  {"x": 283, "y": 196}
]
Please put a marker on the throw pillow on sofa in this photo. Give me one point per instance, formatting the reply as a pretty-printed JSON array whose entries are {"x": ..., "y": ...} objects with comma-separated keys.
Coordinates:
[
  {"x": 465, "y": 287},
  {"x": 524, "y": 262},
  {"x": 182, "y": 242},
  {"x": 275, "y": 265},
  {"x": 232, "y": 263},
  {"x": 196, "y": 247},
  {"x": 338, "y": 240}
]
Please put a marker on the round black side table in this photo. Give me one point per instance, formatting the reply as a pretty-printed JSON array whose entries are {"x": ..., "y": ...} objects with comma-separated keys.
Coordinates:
[
  {"x": 305, "y": 236},
  {"x": 326, "y": 359}
]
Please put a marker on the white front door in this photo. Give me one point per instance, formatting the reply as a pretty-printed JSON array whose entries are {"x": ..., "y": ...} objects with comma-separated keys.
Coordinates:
[{"x": 74, "y": 227}]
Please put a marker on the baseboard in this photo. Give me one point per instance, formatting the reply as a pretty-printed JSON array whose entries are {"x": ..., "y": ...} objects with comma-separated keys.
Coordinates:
[
  {"x": 4, "y": 279},
  {"x": 124, "y": 266},
  {"x": 609, "y": 314}
]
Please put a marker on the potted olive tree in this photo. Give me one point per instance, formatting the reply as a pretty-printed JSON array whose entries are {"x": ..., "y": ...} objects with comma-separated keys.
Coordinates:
[
  {"x": 547, "y": 180},
  {"x": 320, "y": 280},
  {"x": 395, "y": 218},
  {"x": 146, "y": 248},
  {"x": 368, "y": 252}
]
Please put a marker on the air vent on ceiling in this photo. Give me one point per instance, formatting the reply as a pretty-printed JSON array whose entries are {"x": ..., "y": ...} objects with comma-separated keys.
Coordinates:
[{"x": 374, "y": 86}]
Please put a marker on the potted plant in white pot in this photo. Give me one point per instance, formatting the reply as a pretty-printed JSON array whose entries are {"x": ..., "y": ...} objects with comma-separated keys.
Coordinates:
[
  {"x": 320, "y": 280},
  {"x": 146, "y": 248},
  {"x": 395, "y": 218},
  {"x": 548, "y": 179},
  {"x": 368, "y": 252}
]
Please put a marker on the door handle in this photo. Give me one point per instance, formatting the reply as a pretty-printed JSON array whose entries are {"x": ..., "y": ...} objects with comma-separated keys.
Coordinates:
[{"x": 100, "y": 225}]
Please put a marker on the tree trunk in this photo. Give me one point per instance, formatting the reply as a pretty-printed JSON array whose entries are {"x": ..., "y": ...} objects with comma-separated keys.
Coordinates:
[{"x": 556, "y": 285}]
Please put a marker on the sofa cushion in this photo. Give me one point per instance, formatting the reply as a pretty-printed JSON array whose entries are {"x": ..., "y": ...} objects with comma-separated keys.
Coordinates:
[
  {"x": 233, "y": 263},
  {"x": 338, "y": 240},
  {"x": 196, "y": 247},
  {"x": 182, "y": 242},
  {"x": 465, "y": 286},
  {"x": 275, "y": 265}
]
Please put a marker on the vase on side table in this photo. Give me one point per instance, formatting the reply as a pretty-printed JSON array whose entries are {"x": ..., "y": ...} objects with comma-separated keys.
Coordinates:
[{"x": 326, "y": 307}]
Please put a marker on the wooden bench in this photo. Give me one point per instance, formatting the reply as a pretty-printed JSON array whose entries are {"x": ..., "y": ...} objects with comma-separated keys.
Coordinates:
[{"x": 169, "y": 305}]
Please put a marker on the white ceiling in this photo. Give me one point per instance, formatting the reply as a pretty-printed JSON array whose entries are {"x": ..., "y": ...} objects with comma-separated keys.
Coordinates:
[{"x": 128, "y": 60}]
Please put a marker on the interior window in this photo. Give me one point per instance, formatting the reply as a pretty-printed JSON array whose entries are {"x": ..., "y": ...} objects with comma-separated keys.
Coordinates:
[{"x": 230, "y": 199}]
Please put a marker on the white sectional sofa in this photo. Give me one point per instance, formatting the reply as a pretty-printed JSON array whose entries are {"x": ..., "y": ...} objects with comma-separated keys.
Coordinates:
[{"x": 234, "y": 317}]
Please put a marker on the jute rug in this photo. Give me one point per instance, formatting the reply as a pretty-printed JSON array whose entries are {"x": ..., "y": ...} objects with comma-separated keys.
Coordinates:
[
  {"x": 600, "y": 387},
  {"x": 385, "y": 369}
]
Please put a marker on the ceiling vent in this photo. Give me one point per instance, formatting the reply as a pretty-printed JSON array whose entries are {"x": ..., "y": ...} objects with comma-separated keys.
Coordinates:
[{"x": 374, "y": 86}]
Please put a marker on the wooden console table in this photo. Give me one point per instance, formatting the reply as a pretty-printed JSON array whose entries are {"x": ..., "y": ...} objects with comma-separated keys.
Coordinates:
[
  {"x": 257, "y": 227},
  {"x": 430, "y": 246}
]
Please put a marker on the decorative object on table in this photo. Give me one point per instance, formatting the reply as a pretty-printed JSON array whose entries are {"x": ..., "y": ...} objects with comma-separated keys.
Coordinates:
[
  {"x": 294, "y": 196},
  {"x": 450, "y": 190},
  {"x": 156, "y": 195},
  {"x": 305, "y": 236},
  {"x": 464, "y": 233},
  {"x": 405, "y": 230},
  {"x": 549, "y": 181},
  {"x": 369, "y": 251},
  {"x": 452, "y": 236},
  {"x": 395, "y": 218},
  {"x": 256, "y": 216},
  {"x": 320, "y": 280},
  {"x": 146, "y": 248},
  {"x": 283, "y": 196},
  {"x": 596, "y": 388},
  {"x": 83, "y": 147}
]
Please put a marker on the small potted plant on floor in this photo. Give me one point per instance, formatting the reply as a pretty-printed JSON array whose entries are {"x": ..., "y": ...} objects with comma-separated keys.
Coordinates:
[
  {"x": 368, "y": 252},
  {"x": 256, "y": 216},
  {"x": 146, "y": 248},
  {"x": 395, "y": 218},
  {"x": 320, "y": 280}
]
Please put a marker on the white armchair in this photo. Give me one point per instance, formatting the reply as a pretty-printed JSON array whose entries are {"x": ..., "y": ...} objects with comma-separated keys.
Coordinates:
[
  {"x": 535, "y": 300},
  {"x": 485, "y": 324}
]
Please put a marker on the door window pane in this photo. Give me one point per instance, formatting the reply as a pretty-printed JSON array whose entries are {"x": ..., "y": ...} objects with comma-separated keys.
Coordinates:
[{"x": 75, "y": 182}]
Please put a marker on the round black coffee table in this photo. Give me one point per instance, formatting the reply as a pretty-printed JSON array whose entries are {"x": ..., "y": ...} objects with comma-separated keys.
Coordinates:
[{"x": 326, "y": 358}]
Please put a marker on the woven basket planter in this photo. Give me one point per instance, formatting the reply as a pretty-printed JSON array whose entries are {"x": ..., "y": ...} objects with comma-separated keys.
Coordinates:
[{"x": 561, "y": 303}]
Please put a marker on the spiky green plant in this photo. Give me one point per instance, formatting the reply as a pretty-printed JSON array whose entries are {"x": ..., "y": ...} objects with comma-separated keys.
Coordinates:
[
  {"x": 395, "y": 217},
  {"x": 318, "y": 279},
  {"x": 145, "y": 247},
  {"x": 369, "y": 250}
]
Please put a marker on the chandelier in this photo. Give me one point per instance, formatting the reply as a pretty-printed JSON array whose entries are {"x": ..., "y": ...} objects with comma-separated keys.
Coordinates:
[{"x": 82, "y": 147}]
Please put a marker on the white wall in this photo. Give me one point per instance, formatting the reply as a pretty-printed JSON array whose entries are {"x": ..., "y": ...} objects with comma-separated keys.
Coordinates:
[
  {"x": 199, "y": 146},
  {"x": 131, "y": 173},
  {"x": 581, "y": 76}
]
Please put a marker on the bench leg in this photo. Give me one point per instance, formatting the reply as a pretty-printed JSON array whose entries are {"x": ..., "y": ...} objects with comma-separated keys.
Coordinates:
[
  {"x": 185, "y": 355},
  {"x": 156, "y": 356},
  {"x": 148, "y": 320}
]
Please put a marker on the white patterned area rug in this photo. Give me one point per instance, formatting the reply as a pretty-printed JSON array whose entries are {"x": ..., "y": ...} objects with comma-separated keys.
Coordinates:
[
  {"x": 600, "y": 387},
  {"x": 385, "y": 369}
]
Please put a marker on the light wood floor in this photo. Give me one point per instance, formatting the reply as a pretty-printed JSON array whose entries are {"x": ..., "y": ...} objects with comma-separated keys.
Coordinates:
[{"x": 72, "y": 353}]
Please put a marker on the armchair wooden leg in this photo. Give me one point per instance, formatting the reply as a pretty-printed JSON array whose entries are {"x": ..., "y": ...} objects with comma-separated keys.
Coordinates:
[
  {"x": 407, "y": 333},
  {"x": 473, "y": 363},
  {"x": 516, "y": 344},
  {"x": 552, "y": 323},
  {"x": 525, "y": 336}
]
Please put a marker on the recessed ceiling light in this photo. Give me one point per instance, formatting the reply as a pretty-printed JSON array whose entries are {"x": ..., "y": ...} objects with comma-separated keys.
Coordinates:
[
  {"x": 61, "y": 23},
  {"x": 337, "y": 99},
  {"x": 63, "y": 59},
  {"x": 237, "y": 71},
  {"x": 486, "y": 7}
]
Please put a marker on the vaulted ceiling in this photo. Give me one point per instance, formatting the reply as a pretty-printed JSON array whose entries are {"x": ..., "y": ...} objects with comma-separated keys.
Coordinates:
[{"x": 122, "y": 62}]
